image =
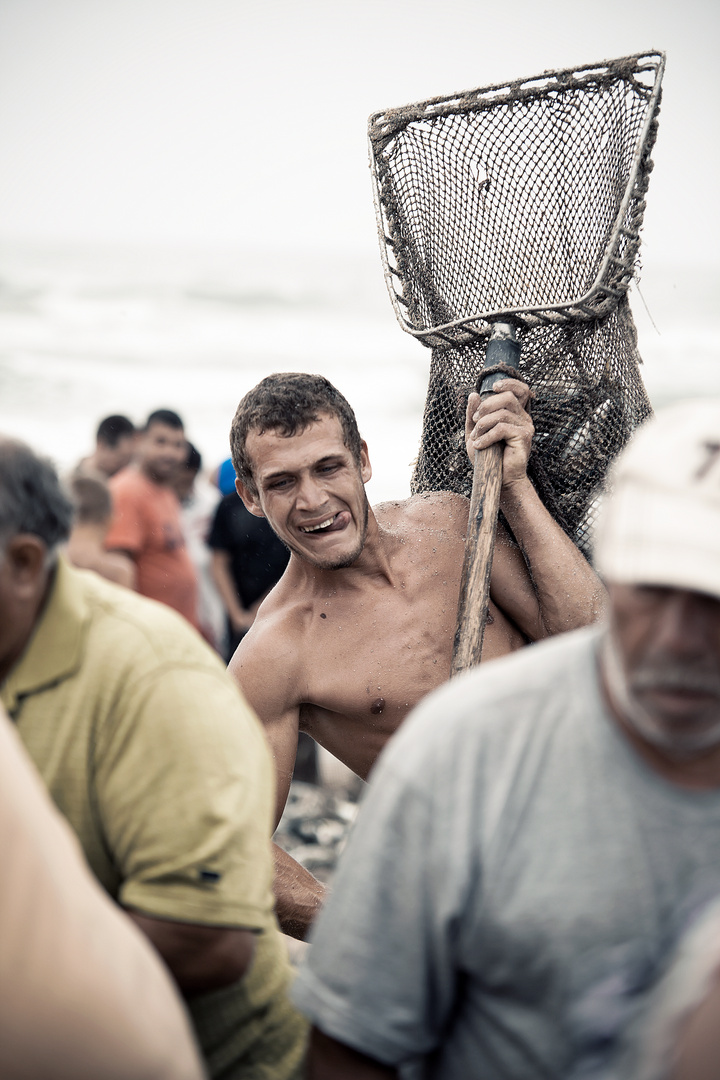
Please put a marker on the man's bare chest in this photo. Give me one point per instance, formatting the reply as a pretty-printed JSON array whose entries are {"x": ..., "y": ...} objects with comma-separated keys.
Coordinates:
[
  {"x": 367, "y": 665},
  {"x": 369, "y": 662}
]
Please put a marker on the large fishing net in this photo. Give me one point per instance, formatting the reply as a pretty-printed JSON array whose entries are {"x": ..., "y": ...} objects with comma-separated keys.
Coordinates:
[{"x": 523, "y": 203}]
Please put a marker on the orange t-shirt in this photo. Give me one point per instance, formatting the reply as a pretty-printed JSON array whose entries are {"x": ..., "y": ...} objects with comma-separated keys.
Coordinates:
[{"x": 146, "y": 523}]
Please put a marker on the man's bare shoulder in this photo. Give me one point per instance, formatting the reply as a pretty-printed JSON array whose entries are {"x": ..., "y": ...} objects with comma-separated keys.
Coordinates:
[
  {"x": 277, "y": 631},
  {"x": 115, "y": 567},
  {"x": 440, "y": 511}
]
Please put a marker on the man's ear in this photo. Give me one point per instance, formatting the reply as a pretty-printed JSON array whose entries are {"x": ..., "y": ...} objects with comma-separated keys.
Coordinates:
[
  {"x": 252, "y": 503},
  {"x": 365, "y": 466},
  {"x": 26, "y": 560}
]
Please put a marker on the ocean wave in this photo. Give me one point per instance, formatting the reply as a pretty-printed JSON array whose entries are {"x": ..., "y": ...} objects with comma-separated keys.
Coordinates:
[{"x": 85, "y": 334}]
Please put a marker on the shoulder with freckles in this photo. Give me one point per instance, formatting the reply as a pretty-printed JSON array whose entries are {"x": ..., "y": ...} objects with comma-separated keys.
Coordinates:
[
  {"x": 269, "y": 662},
  {"x": 281, "y": 621},
  {"x": 437, "y": 512}
]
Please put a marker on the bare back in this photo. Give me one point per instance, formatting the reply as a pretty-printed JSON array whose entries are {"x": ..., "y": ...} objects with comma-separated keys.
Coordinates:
[{"x": 345, "y": 655}]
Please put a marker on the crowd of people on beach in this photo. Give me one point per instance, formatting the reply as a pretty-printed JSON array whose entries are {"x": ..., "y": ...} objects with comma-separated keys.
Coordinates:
[
  {"x": 531, "y": 888},
  {"x": 148, "y": 517}
]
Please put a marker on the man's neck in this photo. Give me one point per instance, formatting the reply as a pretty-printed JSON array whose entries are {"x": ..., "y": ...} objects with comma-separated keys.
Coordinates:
[
  {"x": 87, "y": 535},
  {"x": 92, "y": 465},
  {"x": 149, "y": 475}
]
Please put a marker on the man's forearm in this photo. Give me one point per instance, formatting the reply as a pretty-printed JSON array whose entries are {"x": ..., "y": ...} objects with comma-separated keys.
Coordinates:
[
  {"x": 298, "y": 895},
  {"x": 200, "y": 958},
  {"x": 569, "y": 592},
  {"x": 566, "y": 592},
  {"x": 330, "y": 1060},
  {"x": 222, "y": 577}
]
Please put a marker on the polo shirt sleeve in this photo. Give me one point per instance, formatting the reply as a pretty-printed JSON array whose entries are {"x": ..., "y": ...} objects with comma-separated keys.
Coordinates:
[
  {"x": 127, "y": 527},
  {"x": 380, "y": 976},
  {"x": 185, "y": 794}
]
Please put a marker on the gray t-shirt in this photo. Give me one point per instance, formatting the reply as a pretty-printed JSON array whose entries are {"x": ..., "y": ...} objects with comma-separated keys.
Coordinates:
[{"x": 513, "y": 880}]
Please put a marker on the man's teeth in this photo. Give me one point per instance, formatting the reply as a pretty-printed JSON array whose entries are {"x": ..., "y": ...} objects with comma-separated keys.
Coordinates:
[{"x": 316, "y": 528}]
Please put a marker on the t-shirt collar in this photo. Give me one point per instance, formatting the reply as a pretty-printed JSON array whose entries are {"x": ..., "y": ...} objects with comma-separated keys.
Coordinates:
[{"x": 54, "y": 650}]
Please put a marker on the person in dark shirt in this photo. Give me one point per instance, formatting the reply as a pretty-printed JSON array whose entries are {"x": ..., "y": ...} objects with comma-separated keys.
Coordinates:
[{"x": 248, "y": 559}]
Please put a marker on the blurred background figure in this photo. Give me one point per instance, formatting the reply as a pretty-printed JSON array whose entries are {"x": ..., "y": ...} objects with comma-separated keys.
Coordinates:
[
  {"x": 92, "y": 505},
  {"x": 678, "y": 1035},
  {"x": 198, "y": 501},
  {"x": 84, "y": 995},
  {"x": 114, "y": 448},
  {"x": 247, "y": 560},
  {"x": 146, "y": 528},
  {"x": 224, "y": 477}
]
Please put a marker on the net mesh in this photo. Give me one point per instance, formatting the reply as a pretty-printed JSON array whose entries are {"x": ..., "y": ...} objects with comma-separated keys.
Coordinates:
[{"x": 524, "y": 201}]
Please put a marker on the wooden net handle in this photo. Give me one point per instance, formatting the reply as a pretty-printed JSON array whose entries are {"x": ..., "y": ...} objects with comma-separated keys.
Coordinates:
[
  {"x": 477, "y": 564},
  {"x": 501, "y": 359}
]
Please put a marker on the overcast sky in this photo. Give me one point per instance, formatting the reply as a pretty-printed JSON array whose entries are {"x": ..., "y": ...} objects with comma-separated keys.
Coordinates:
[{"x": 231, "y": 122}]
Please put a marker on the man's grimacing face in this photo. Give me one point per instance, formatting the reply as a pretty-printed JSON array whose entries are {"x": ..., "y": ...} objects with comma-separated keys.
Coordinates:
[
  {"x": 312, "y": 491},
  {"x": 662, "y": 664}
]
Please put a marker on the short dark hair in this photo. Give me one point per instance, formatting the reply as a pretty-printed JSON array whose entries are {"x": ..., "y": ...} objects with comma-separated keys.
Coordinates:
[
  {"x": 288, "y": 402},
  {"x": 167, "y": 417},
  {"x": 113, "y": 428},
  {"x": 91, "y": 499},
  {"x": 31, "y": 498}
]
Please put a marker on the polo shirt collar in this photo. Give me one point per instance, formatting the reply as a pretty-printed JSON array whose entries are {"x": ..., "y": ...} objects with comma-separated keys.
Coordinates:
[{"x": 55, "y": 649}]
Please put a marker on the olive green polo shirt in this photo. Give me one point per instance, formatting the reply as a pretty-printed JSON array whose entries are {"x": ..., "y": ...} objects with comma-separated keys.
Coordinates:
[{"x": 150, "y": 752}]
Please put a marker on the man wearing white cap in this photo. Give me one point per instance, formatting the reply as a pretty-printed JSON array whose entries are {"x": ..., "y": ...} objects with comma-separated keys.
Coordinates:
[{"x": 539, "y": 830}]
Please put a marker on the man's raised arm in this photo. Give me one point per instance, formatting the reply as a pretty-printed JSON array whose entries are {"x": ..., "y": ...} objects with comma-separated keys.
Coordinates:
[
  {"x": 548, "y": 586},
  {"x": 265, "y": 668},
  {"x": 329, "y": 1059}
]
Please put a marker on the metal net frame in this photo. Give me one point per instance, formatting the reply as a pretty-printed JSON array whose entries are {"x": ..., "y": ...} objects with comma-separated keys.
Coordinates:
[{"x": 524, "y": 202}]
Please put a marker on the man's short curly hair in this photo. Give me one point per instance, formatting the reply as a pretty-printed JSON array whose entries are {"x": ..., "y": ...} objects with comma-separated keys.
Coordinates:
[{"x": 288, "y": 402}]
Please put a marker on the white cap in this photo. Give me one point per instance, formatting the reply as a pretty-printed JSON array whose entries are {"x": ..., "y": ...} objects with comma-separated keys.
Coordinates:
[{"x": 660, "y": 525}]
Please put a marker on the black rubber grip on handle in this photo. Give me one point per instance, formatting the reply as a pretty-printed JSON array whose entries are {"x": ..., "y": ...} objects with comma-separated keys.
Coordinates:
[{"x": 501, "y": 352}]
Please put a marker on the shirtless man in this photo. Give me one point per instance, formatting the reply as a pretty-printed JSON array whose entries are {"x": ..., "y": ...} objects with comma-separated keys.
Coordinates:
[
  {"x": 114, "y": 448},
  {"x": 361, "y": 625},
  {"x": 85, "y": 548}
]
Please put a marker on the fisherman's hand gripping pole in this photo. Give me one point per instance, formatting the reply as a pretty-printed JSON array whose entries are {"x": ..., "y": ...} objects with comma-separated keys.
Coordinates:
[{"x": 502, "y": 353}]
